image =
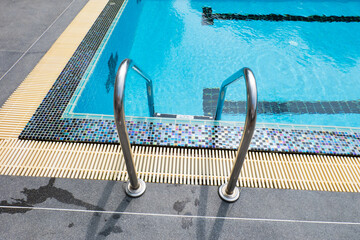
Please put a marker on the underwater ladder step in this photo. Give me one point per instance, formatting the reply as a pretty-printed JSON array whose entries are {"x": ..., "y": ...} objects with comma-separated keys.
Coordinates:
[{"x": 179, "y": 116}]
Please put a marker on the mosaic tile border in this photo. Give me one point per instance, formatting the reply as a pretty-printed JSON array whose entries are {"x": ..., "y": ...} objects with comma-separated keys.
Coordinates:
[{"x": 47, "y": 122}]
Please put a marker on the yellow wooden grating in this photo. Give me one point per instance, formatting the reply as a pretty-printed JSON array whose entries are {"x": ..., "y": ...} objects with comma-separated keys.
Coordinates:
[
  {"x": 179, "y": 165},
  {"x": 154, "y": 164}
]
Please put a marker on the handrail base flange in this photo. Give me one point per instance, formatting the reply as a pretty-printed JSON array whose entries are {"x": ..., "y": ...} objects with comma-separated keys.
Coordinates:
[
  {"x": 229, "y": 197},
  {"x": 135, "y": 192}
]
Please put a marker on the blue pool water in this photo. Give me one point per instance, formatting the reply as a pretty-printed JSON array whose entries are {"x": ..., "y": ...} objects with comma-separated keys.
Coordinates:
[{"x": 293, "y": 62}]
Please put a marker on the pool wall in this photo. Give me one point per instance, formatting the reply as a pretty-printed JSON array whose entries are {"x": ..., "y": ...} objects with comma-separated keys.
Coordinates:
[
  {"x": 102, "y": 69},
  {"x": 47, "y": 122}
]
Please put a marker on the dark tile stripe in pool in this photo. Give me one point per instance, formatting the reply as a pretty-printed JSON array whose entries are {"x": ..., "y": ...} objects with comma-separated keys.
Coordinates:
[
  {"x": 210, "y": 97},
  {"x": 46, "y": 123},
  {"x": 208, "y": 17}
]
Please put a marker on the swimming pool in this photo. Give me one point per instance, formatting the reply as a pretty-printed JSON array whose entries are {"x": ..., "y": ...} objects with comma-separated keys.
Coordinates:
[
  {"x": 306, "y": 71},
  {"x": 53, "y": 122}
]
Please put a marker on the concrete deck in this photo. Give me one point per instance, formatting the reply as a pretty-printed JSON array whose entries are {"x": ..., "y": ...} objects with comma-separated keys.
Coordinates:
[{"x": 43, "y": 208}]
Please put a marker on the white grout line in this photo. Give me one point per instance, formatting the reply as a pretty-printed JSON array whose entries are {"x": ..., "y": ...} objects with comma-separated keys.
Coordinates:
[
  {"x": 12, "y": 51},
  {"x": 37, "y": 40},
  {"x": 183, "y": 216}
]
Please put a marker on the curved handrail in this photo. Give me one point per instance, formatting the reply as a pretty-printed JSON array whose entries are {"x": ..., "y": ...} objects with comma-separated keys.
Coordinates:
[
  {"x": 149, "y": 85},
  {"x": 136, "y": 187},
  {"x": 227, "y": 191},
  {"x": 149, "y": 88},
  {"x": 244, "y": 72}
]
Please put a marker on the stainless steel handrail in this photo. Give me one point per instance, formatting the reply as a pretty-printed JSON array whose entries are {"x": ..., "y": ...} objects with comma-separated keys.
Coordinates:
[
  {"x": 228, "y": 191},
  {"x": 149, "y": 88},
  {"x": 149, "y": 85},
  {"x": 136, "y": 187}
]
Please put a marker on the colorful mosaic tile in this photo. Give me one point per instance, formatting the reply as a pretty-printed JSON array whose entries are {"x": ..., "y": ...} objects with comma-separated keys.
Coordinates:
[{"x": 47, "y": 122}]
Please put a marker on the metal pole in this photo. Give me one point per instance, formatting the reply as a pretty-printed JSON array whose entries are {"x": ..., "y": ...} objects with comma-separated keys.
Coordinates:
[
  {"x": 149, "y": 90},
  {"x": 136, "y": 187},
  {"x": 228, "y": 191},
  {"x": 221, "y": 100}
]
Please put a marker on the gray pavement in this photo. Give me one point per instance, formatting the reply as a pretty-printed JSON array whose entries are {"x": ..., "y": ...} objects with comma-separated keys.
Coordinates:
[
  {"x": 88, "y": 209},
  {"x": 27, "y": 31}
]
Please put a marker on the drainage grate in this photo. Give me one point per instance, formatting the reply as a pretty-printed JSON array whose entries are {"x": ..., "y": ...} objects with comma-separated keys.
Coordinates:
[{"x": 179, "y": 165}]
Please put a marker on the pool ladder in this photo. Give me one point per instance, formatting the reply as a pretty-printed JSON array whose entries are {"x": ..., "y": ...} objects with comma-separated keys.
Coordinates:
[{"x": 228, "y": 191}]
